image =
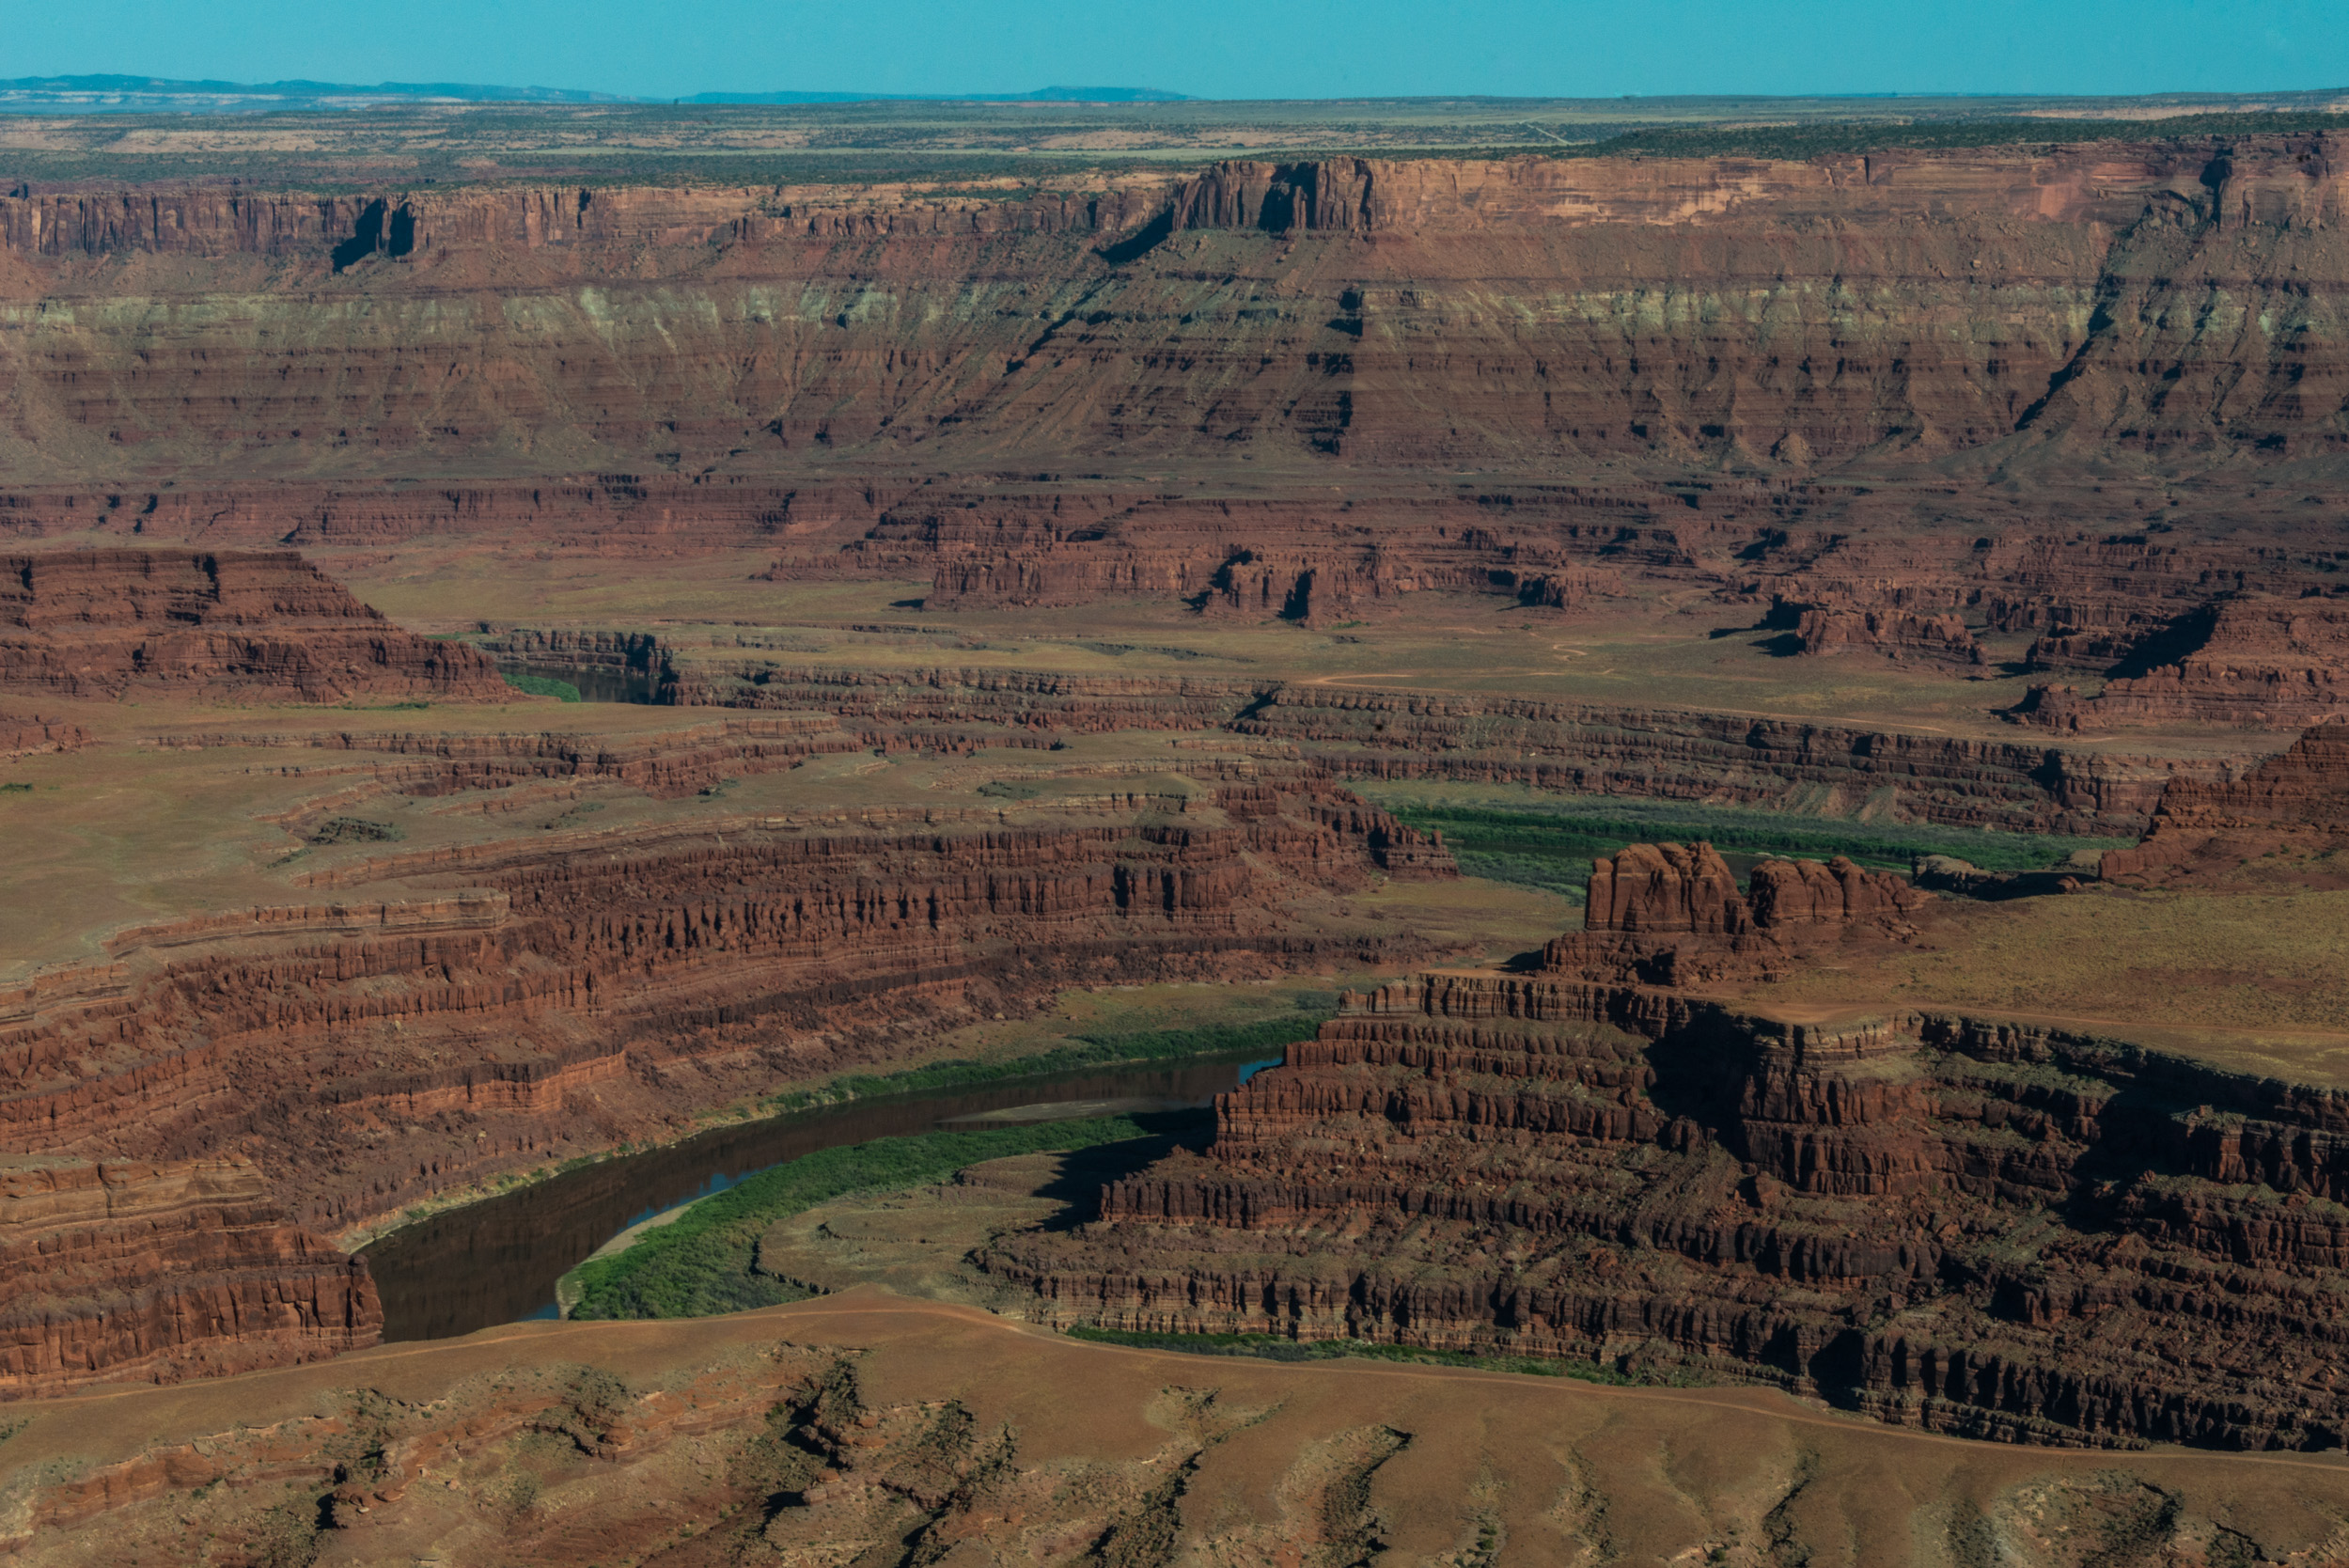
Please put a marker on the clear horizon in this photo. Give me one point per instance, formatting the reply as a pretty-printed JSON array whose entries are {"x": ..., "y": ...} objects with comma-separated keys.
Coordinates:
[{"x": 1218, "y": 49}]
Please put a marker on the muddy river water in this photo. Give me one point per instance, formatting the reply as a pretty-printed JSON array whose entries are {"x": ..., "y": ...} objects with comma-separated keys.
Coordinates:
[{"x": 497, "y": 1261}]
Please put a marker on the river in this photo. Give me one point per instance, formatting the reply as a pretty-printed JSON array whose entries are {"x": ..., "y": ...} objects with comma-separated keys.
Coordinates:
[{"x": 497, "y": 1261}]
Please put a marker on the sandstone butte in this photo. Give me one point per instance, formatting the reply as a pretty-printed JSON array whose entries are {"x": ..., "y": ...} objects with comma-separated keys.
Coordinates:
[
  {"x": 2001, "y": 1230},
  {"x": 2071, "y": 410}
]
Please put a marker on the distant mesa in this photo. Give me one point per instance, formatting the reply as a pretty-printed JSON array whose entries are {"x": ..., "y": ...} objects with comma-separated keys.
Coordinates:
[
  {"x": 1041, "y": 95},
  {"x": 132, "y": 93},
  {"x": 101, "y": 94}
]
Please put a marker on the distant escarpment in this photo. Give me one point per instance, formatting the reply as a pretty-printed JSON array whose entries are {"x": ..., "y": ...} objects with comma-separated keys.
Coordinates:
[
  {"x": 108, "y": 622},
  {"x": 1440, "y": 313},
  {"x": 1303, "y": 391},
  {"x": 137, "y": 1271},
  {"x": 1366, "y": 731},
  {"x": 1977, "y": 1228}
]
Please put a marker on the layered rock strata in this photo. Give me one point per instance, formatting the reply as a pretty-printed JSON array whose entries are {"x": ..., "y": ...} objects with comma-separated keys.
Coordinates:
[
  {"x": 2250, "y": 661},
  {"x": 2295, "y": 803},
  {"x": 1970, "y": 1226},
  {"x": 105, "y": 622},
  {"x": 1672, "y": 915},
  {"x": 1788, "y": 313},
  {"x": 139, "y": 1271},
  {"x": 1582, "y": 748},
  {"x": 565, "y": 994},
  {"x": 582, "y": 991},
  {"x": 1549, "y": 380}
]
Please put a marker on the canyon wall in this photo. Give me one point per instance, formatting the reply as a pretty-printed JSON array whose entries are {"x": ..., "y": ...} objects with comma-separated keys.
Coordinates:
[
  {"x": 108, "y": 622},
  {"x": 1362, "y": 730},
  {"x": 139, "y": 1271},
  {"x": 1896, "y": 407},
  {"x": 2148, "y": 297},
  {"x": 371, "y": 1053},
  {"x": 1944, "y": 1222},
  {"x": 1913, "y": 397},
  {"x": 566, "y": 994}
]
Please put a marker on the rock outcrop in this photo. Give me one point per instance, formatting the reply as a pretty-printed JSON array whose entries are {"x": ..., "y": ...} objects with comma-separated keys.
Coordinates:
[
  {"x": 1675, "y": 889},
  {"x": 1788, "y": 894},
  {"x": 144, "y": 1272},
  {"x": 1946, "y": 873},
  {"x": 1672, "y": 915},
  {"x": 29, "y": 734},
  {"x": 2295, "y": 808},
  {"x": 104, "y": 622},
  {"x": 2251, "y": 662},
  {"x": 1897, "y": 634},
  {"x": 1976, "y": 1227}
]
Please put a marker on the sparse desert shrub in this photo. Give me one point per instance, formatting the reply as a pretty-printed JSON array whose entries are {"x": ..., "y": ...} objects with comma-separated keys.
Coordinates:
[
  {"x": 356, "y": 830},
  {"x": 543, "y": 685}
]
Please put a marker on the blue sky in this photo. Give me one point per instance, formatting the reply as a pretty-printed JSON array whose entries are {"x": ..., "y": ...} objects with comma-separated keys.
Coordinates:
[{"x": 1211, "y": 48}]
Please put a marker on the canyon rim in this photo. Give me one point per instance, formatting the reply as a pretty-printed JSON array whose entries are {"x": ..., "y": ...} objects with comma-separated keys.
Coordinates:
[{"x": 1733, "y": 737}]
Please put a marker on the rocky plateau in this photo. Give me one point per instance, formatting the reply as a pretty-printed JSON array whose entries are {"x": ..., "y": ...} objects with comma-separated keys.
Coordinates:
[
  {"x": 1961, "y": 1223},
  {"x": 983, "y": 598},
  {"x": 1859, "y": 391}
]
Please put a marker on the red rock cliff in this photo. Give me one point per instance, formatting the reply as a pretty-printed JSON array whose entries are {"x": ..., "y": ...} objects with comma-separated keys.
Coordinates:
[
  {"x": 2295, "y": 802},
  {"x": 103, "y": 622},
  {"x": 1511, "y": 314},
  {"x": 137, "y": 1271},
  {"x": 584, "y": 990},
  {"x": 1918, "y": 1217}
]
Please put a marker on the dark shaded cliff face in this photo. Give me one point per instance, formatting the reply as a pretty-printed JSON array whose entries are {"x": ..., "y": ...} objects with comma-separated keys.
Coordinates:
[
  {"x": 2179, "y": 300},
  {"x": 1971, "y": 1227}
]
